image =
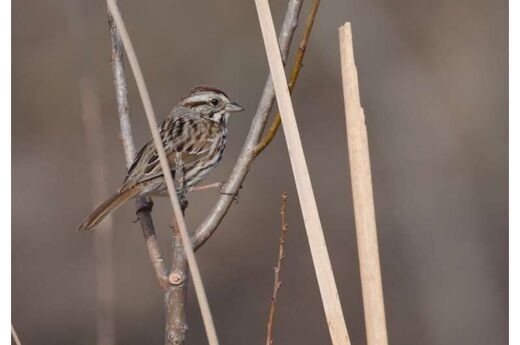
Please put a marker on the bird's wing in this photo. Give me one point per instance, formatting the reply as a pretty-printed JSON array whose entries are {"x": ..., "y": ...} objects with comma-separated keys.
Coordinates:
[{"x": 190, "y": 135}]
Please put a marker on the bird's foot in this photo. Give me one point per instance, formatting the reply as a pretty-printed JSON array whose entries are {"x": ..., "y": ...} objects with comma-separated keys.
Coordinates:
[{"x": 234, "y": 195}]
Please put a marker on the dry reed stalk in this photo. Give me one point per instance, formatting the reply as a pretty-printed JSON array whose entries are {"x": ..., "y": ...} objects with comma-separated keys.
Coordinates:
[
  {"x": 361, "y": 178},
  {"x": 295, "y": 72},
  {"x": 143, "y": 204},
  {"x": 179, "y": 218},
  {"x": 175, "y": 283},
  {"x": 319, "y": 253}
]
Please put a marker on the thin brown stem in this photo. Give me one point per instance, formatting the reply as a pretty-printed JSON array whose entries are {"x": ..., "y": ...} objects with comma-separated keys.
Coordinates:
[
  {"x": 295, "y": 72},
  {"x": 313, "y": 227},
  {"x": 278, "y": 269}
]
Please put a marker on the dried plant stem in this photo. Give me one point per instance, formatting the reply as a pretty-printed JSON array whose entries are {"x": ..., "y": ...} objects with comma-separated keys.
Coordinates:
[
  {"x": 278, "y": 269},
  {"x": 361, "y": 178},
  {"x": 295, "y": 72},
  {"x": 247, "y": 155},
  {"x": 143, "y": 205},
  {"x": 174, "y": 301},
  {"x": 179, "y": 218},
  {"x": 315, "y": 236},
  {"x": 174, "y": 289},
  {"x": 15, "y": 336}
]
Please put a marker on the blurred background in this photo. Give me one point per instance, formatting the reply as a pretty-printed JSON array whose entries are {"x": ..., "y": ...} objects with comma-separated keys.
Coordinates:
[{"x": 433, "y": 79}]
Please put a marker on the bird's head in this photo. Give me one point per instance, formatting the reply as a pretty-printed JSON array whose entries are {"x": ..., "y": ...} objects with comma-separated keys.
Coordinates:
[{"x": 211, "y": 103}]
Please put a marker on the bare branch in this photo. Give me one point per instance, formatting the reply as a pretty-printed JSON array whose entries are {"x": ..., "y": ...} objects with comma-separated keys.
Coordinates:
[
  {"x": 278, "y": 269},
  {"x": 118, "y": 70},
  {"x": 247, "y": 156},
  {"x": 295, "y": 72},
  {"x": 143, "y": 205},
  {"x": 168, "y": 179},
  {"x": 175, "y": 296},
  {"x": 176, "y": 282}
]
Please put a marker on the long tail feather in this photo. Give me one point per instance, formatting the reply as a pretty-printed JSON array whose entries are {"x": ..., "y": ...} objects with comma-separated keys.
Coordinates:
[{"x": 106, "y": 208}]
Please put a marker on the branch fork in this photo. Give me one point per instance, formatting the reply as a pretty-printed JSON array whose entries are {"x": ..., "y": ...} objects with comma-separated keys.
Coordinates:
[{"x": 174, "y": 282}]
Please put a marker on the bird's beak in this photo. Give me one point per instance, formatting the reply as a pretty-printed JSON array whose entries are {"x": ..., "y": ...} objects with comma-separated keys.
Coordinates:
[{"x": 234, "y": 107}]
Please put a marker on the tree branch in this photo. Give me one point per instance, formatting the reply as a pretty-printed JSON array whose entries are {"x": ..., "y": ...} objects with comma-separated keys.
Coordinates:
[
  {"x": 143, "y": 205},
  {"x": 175, "y": 296},
  {"x": 247, "y": 156},
  {"x": 277, "y": 269},
  {"x": 175, "y": 284},
  {"x": 295, "y": 72},
  {"x": 167, "y": 175}
]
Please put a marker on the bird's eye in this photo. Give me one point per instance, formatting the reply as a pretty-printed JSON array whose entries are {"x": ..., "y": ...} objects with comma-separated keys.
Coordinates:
[{"x": 215, "y": 101}]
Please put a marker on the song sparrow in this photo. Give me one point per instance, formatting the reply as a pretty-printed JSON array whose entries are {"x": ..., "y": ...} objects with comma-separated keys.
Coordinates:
[{"x": 195, "y": 131}]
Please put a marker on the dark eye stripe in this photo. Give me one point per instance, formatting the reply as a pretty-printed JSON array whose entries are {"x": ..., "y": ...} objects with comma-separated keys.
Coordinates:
[{"x": 195, "y": 104}]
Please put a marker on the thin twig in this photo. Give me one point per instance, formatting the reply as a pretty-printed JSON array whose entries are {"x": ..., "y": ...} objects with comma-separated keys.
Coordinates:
[
  {"x": 295, "y": 72},
  {"x": 179, "y": 219},
  {"x": 143, "y": 205},
  {"x": 362, "y": 195},
  {"x": 247, "y": 155},
  {"x": 15, "y": 336},
  {"x": 278, "y": 269},
  {"x": 315, "y": 236}
]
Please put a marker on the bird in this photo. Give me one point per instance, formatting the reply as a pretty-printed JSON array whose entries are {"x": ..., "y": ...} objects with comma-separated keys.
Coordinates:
[{"x": 195, "y": 131}]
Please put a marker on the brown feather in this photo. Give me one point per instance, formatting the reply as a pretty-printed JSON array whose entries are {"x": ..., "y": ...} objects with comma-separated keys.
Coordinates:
[
  {"x": 198, "y": 135},
  {"x": 106, "y": 208}
]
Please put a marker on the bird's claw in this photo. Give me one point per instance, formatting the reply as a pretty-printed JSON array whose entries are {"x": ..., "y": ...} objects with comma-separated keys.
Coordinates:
[{"x": 235, "y": 195}]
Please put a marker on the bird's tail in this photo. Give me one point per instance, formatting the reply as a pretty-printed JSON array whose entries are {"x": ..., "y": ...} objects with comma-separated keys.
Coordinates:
[{"x": 106, "y": 208}]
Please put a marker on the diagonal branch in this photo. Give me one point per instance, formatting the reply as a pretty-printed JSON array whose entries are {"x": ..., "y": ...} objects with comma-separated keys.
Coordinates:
[
  {"x": 295, "y": 72},
  {"x": 247, "y": 156},
  {"x": 167, "y": 175},
  {"x": 144, "y": 205},
  {"x": 315, "y": 235},
  {"x": 175, "y": 284}
]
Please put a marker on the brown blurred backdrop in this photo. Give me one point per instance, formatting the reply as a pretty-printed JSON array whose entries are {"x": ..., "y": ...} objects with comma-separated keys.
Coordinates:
[{"x": 433, "y": 81}]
